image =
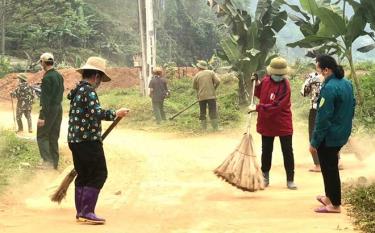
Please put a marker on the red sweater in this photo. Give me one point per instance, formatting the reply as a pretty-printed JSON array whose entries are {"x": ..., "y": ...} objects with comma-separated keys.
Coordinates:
[{"x": 274, "y": 108}]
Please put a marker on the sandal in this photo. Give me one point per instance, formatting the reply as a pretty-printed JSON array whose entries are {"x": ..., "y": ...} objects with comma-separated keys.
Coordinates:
[
  {"x": 324, "y": 209},
  {"x": 320, "y": 199},
  {"x": 314, "y": 169}
]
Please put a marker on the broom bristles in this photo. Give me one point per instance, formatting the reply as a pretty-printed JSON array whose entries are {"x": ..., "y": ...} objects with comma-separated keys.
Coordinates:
[
  {"x": 241, "y": 169},
  {"x": 60, "y": 192}
]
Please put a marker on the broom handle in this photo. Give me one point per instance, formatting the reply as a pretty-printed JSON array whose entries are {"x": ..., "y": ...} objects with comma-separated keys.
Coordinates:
[
  {"x": 113, "y": 124},
  {"x": 251, "y": 103}
]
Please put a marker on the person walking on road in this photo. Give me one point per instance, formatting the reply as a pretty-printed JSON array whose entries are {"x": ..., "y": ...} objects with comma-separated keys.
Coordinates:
[
  {"x": 275, "y": 118},
  {"x": 158, "y": 92},
  {"x": 205, "y": 83},
  {"x": 333, "y": 126},
  {"x": 85, "y": 140},
  {"x": 50, "y": 116},
  {"x": 25, "y": 99}
]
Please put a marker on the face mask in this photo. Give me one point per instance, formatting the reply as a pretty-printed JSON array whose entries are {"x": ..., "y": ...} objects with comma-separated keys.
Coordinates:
[
  {"x": 277, "y": 78},
  {"x": 98, "y": 80}
]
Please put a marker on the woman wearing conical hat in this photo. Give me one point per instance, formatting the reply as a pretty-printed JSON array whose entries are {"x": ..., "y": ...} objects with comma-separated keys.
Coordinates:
[
  {"x": 275, "y": 118},
  {"x": 84, "y": 138}
]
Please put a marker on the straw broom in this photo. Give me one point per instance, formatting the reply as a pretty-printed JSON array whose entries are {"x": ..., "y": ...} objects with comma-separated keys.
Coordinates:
[
  {"x": 60, "y": 192},
  {"x": 241, "y": 168}
]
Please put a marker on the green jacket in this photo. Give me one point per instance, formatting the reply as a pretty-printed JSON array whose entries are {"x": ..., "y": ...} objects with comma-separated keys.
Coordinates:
[
  {"x": 52, "y": 91},
  {"x": 206, "y": 82},
  {"x": 336, "y": 106}
]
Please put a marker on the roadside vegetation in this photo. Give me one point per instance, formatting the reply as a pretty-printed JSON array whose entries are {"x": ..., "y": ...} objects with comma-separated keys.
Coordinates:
[
  {"x": 182, "y": 96},
  {"x": 360, "y": 201},
  {"x": 17, "y": 156}
]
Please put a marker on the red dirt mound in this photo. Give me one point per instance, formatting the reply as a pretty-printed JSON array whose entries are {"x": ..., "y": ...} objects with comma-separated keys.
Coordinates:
[{"x": 121, "y": 78}]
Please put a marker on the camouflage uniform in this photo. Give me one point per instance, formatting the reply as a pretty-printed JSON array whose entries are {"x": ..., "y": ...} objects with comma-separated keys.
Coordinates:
[{"x": 25, "y": 98}]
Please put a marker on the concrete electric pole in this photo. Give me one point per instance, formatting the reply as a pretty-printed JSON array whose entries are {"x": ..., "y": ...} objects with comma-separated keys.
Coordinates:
[{"x": 148, "y": 42}]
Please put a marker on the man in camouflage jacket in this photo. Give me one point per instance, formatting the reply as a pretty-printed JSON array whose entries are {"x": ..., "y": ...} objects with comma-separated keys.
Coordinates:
[{"x": 25, "y": 98}]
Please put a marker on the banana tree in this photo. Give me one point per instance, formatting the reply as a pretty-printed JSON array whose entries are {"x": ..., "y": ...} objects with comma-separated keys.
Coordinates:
[
  {"x": 251, "y": 39},
  {"x": 333, "y": 30}
]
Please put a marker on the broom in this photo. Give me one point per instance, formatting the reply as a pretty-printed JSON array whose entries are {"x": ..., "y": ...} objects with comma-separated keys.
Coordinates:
[
  {"x": 241, "y": 168},
  {"x": 60, "y": 192}
]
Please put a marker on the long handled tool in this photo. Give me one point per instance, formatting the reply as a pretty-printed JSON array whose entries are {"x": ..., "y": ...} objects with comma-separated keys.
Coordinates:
[
  {"x": 60, "y": 192},
  {"x": 183, "y": 110},
  {"x": 14, "y": 116},
  {"x": 241, "y": 168}
]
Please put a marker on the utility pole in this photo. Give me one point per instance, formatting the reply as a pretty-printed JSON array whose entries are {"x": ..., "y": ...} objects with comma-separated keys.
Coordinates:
[
  {"x": 148, "y": 42},
  {"x": 3, "y": 27}
]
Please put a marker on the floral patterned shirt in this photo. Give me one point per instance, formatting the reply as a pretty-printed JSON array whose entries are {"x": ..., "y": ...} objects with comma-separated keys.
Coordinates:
[{"x": 86, "y": 114}]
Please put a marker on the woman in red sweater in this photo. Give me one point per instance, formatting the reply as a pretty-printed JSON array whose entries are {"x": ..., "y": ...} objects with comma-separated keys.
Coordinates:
[{"x": 275, "y": 117}]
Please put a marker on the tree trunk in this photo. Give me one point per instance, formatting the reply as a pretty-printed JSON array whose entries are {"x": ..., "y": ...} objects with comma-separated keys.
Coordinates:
[
  {"x": 241, "y": 90},
  {"x": 355, "y": 78}
]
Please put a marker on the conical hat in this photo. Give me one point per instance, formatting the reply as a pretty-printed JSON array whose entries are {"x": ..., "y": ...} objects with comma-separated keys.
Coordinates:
[{"x": 96, "y": 63}]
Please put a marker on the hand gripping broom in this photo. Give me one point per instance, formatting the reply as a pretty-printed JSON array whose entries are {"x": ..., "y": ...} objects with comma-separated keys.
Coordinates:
[
  {"x": 241, "y": 168},
  {"x": 60, "y": 192}
]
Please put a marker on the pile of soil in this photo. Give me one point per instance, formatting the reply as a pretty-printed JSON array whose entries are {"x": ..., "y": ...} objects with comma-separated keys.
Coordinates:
[{"x": 122, "y": 77}]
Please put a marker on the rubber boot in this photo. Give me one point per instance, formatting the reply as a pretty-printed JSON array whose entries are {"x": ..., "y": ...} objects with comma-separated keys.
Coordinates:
[
  {"x": 204, "y": 124},
  {"x": 89, "y": 199},
  {"x": 215, "y": 124},
  {"x": 78, "y": 199},
  {"x": 266, "y": 177}
]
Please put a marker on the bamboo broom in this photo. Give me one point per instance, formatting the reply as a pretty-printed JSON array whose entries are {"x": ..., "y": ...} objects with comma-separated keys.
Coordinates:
[
  {"x": 241, "y": 168},
  {"x": 60, "y": 192}
]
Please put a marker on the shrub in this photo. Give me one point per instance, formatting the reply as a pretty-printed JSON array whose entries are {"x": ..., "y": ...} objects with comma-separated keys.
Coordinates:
[
  {"x": 361, "y": 206},
  {"x": 5, "y": 66},
  {"x": 15, "y": 154}
]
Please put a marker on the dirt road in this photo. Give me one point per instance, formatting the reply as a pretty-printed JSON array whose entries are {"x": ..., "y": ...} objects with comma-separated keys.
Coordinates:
[{"x": 163, "y": 183}]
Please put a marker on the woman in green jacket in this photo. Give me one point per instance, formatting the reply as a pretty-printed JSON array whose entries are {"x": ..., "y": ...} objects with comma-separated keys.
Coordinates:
[{"x": 333, "y": 126}]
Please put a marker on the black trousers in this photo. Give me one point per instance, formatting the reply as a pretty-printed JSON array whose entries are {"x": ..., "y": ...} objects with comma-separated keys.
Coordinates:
[
  {"x": 212, "y": 112},
  {"x": 312, "y": 116},
  {"x": 287, "y": 149},
  {"x": 89, "y": 163},
  {"x": 328, "y": 157}
]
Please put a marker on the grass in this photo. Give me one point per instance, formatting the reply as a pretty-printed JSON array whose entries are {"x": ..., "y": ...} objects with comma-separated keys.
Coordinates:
[
  {"x": 360, "y": 200},
  {"x": 17, "y": 156},
  {"x": 182, "y": 95}
]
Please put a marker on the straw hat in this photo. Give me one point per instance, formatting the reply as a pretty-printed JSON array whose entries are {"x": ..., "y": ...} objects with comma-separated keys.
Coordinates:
[
  {"x": 47, "y": 57},
  {"x": 278, "y": 66},
  {"x": 202, "y": 64},
  {"x": 22, "y": 77},
  {"x": 96, "y": 63},
  {"x": 157, "y": 70}
]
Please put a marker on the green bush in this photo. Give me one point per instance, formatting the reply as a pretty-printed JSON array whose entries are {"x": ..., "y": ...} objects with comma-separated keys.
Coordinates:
[
  {"x": 15, "y": 154},
  {"x": 361, "y": 206},
  {"x": 5, "y": 66},
  {"x": 366, "y": 112}
]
